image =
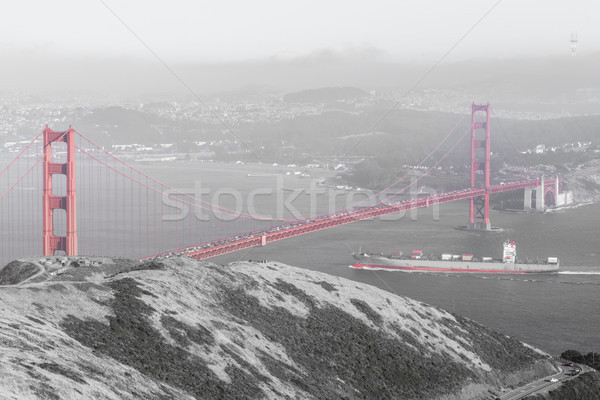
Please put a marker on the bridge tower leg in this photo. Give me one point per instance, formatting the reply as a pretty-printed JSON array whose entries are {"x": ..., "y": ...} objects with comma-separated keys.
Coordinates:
[
  {"x": 540, "y": 200},
  {"x": 527, "y": 199},
  {"x": 50, "y": 242},
  {"x": 479, "y": 210}
]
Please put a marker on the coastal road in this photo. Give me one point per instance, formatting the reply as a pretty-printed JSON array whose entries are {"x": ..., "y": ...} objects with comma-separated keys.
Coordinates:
[{"x": 538, "y": 385}]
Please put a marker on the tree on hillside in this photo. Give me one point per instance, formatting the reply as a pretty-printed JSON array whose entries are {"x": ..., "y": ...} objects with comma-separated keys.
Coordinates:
[
  {"x": 572, "y": 355},
  {"x": 592, "y": 360}
]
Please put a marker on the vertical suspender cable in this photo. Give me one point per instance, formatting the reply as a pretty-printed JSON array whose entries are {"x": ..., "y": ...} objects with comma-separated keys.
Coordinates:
[{"x": 147, "y": 250}]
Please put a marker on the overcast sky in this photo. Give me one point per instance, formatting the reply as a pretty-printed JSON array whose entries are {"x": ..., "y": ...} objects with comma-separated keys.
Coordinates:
[
  {"x": 215, "y": 31},
  {"x": 133, "y": 46}
]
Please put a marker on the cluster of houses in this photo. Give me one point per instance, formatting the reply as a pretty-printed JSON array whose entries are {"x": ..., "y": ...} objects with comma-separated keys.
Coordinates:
[{"x": 567, "y": 147}]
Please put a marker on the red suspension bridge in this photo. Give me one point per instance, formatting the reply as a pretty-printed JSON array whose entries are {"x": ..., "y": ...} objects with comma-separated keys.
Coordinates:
[{"x": 64, "y": 194}]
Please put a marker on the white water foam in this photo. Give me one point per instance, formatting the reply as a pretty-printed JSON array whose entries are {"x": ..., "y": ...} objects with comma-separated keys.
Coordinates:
[
  {"x": 561, "y": 208},
  {"x": 579, "y": 272}
]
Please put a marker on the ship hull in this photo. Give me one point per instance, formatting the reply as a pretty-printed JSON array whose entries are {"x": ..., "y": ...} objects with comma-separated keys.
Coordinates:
[{"x": 385, "y": 263}]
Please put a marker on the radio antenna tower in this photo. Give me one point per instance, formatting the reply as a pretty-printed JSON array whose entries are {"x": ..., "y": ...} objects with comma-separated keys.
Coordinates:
[{"x": 574, "y": 43}]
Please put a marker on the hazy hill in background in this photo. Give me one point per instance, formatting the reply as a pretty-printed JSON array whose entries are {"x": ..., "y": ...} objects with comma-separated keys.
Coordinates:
[
  {"x": 324, "y": 95},
  {"x": 403, "y": 135},
  {"x": 366, "y": 68},
  {"x": 340, "y": 96}
]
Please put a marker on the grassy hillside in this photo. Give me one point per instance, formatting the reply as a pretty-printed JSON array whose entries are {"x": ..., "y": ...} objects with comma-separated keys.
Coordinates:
[{"x": 187, "y": 329}]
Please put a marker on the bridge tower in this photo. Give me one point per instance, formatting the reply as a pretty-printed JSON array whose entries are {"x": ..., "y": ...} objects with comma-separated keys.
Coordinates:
[
  {"x": 51, "y": 202},
  {"x": 479, "y": 210}
]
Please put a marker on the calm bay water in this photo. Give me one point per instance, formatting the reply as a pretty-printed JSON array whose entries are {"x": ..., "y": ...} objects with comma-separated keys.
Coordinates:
[{"x": 553, "y": 312}]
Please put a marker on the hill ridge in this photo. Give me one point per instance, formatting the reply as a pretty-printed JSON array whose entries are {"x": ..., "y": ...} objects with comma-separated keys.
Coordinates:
[{"x": 189, "y": 329}]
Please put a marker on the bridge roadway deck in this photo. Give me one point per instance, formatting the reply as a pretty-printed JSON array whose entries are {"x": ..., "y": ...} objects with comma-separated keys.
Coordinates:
[{"x": 301, "y": 227}]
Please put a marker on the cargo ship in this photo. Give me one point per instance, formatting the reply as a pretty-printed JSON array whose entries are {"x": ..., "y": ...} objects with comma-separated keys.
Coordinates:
[{"x": 448, "y": 262}]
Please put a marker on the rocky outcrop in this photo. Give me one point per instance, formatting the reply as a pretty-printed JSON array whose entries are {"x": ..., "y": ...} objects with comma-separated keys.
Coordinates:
[
  {"x": 584, "y": 181},
  {"x": 117, "y": 329}
]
